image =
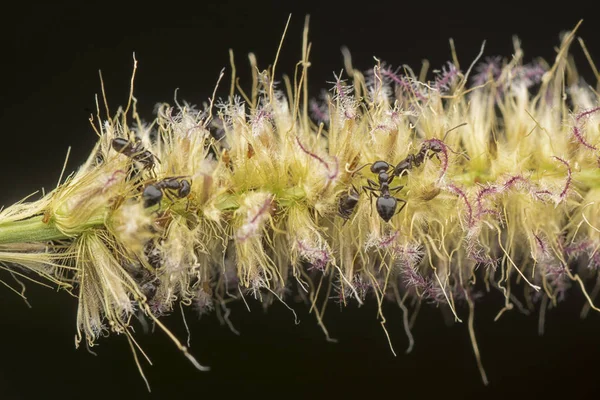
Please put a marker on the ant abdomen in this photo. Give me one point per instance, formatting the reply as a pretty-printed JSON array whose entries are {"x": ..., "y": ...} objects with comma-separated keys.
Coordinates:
[
  {"x": 135, "y": 151},
  {"x": 386, "y": 207},
  {"x": 153, "y": 193},
  {"x": 347, "y": 203}
]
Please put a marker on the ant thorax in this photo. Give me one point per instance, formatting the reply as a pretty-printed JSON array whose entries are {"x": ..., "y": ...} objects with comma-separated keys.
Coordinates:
[{"x": 174, "y": 186}]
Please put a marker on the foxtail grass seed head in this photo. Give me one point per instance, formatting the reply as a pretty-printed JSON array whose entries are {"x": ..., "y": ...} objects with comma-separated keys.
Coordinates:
[{"x": 385, "y": 187}]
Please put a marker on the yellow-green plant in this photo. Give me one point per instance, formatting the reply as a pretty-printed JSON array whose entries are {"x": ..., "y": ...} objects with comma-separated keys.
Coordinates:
[{"x": 498, "y": 165}]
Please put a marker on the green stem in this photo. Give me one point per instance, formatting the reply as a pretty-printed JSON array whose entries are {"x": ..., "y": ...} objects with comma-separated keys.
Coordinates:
[
  {"x": 285, "y": 197},
  {"x": 589, "y": 177},
  {"x": 29, "y": 230},
  {"x": 35, "y": 230}
]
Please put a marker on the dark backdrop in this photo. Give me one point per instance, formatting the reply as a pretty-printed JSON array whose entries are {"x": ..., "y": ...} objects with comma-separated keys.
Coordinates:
[{"x": 50, "y": 60}]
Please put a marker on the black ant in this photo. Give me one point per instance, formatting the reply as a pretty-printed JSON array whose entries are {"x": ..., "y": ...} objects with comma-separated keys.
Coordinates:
[
  {"x": 347, "y": 203},
  {"x": 143, "y": 276},
  {"x": 153, "y": 193},
  {"x": 147, "y": 284},
  {"x": 135, "y": 151},
  {"x": 386, "y": 203},
  {"x": 428, "y": 149}
]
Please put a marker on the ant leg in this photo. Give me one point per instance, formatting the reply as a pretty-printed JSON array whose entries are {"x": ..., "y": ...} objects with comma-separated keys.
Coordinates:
[
  {"x": 169, "y": 195},
  {"x": 172, "y": 199},
  {"x": 402, "y": 206},
  {"x": 396, "y": 189},
  {"x": 371, "y": 191},
  {"x": 151, "y": 172},
  {"x": 372, "y": 184},
  {"x": 157, "y": 211},
  {"x": 371, "y": 195},
  {"x": 372, "y": 187}
]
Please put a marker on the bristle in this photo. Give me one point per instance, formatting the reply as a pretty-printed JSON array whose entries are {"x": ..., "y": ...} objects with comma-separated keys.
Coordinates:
[{"x": 497, "y": 183}]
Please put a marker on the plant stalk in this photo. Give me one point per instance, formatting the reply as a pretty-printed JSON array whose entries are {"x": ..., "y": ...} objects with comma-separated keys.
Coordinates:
[{"x": 29, "y": 230}]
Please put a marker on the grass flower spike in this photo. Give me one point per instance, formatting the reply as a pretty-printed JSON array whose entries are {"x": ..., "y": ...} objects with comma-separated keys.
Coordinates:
[{"x": 388, "y": 187}]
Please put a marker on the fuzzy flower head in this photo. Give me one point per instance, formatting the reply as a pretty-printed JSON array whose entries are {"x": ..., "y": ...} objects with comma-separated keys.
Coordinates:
[
  {"x": 254, "y": 212},
  {"x": 399, "y": 187},
  {"x": 86, "y": 195},
  {"x": 131, "y": 225}
]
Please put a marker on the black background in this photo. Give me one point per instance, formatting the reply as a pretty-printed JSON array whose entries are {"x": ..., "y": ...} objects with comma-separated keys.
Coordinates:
[{"x": 50, "y": 60}]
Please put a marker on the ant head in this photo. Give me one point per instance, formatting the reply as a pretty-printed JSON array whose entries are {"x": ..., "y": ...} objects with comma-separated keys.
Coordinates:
[
  {"x": 120, "y": 144},
  {"x": 435, "y": 146},
  {"x": 380, "y": 166},
  {"x": 184, "y": 188}
]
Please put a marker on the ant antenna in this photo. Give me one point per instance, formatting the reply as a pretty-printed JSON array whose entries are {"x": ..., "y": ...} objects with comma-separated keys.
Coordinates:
[
  {"x": 463, "y": 153},
  {"x": 353, "y": 171},
  {"x": 451, "y": 129}
]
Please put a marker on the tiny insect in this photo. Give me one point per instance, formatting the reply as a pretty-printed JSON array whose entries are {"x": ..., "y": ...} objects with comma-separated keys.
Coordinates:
[
  {"x": 146, "y": 281},
  {"x": 153, "y": 193},
  {"x": 428, "y": 150},
  {"x": 386, "y": 204},
  {"x": 226, "y": 158},
  {"x": 135, "y": 151},
  {"x": 153, "y": 255},
  {"x": 347, "y": 203}
]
